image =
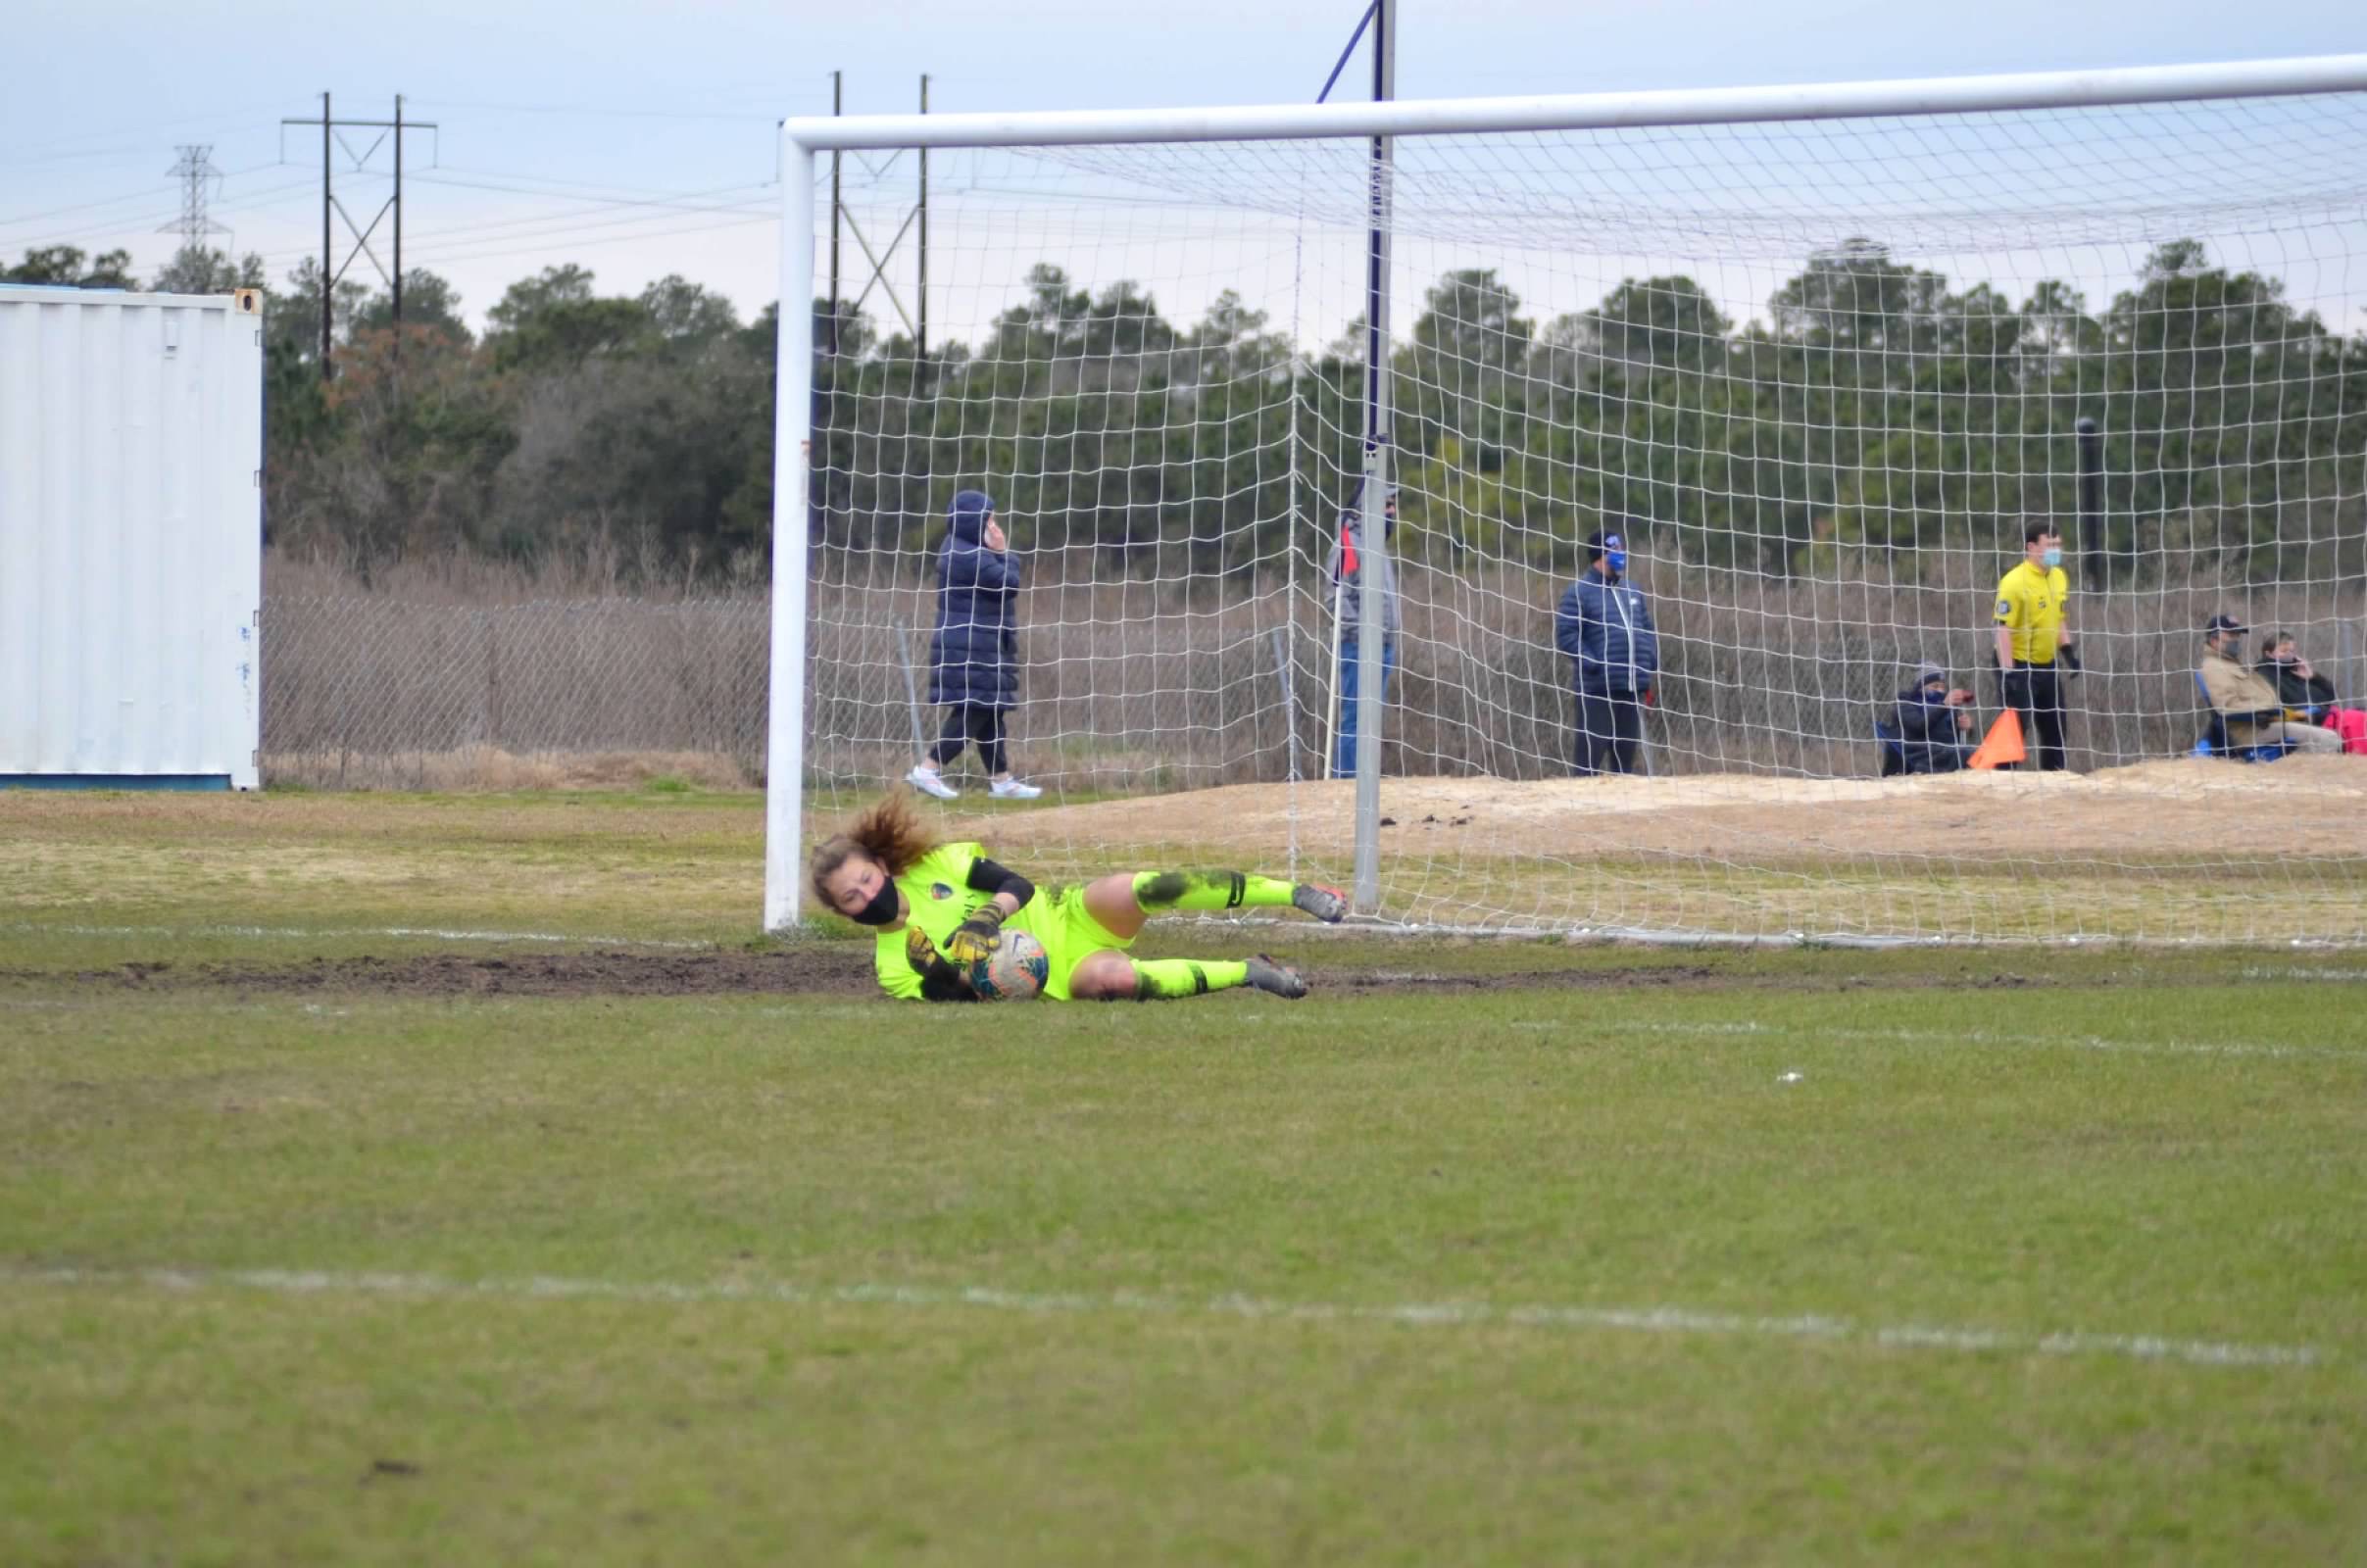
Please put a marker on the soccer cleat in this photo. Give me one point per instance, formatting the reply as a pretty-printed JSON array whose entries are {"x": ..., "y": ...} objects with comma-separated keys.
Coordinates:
[
  {"x": 1327, "y": 904},
  {"x": 1011, "y": 789},
  {"x": 1277, "y": 979},
  {"x": 928, "y": 781}
]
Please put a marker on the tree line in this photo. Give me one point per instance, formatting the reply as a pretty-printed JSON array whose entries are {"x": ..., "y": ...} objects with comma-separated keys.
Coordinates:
[{"x": 1875, "y": 409}]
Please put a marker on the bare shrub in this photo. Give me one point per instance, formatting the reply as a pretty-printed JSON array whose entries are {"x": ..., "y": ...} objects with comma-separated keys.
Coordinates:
[{"x": 1148, "y": 686}]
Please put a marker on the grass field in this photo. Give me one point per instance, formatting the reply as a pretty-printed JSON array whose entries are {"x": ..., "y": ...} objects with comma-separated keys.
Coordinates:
[{"x": 338, "y": 1225}]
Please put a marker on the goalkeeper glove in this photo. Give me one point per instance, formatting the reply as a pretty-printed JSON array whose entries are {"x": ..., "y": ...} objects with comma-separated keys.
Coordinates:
[
  {"x": 939, "y": 981},
  {"x": 977, "y": 936}
]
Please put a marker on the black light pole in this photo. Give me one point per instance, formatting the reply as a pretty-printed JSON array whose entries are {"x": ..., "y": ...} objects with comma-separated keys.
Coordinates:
[
  {"x": 327, "y": 261},
  {"x": 396, "y": 283},
  {"x": 2091, "y": 544}
]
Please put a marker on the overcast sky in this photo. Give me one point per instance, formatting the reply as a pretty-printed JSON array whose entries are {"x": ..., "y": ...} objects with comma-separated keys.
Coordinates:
[{"x": 638, "y": 139}]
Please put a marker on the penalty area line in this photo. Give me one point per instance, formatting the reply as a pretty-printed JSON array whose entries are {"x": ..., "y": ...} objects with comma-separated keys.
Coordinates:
[{"x": 1667, "y": 1320}]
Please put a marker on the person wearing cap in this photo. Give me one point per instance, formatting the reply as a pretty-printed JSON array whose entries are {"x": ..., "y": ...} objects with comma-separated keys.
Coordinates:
[
  {"x": 1933, "y": 723},
  {"x": 1347, "y": 563},
  {"x": 1604, "y": 626},
  {"x": 2246, "y": 701},
  {"x": 2034, "y": 641}
]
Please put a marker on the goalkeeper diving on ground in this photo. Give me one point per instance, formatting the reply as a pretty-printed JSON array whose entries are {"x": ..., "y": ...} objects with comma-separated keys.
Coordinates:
[{"x": 941, "y": 908}]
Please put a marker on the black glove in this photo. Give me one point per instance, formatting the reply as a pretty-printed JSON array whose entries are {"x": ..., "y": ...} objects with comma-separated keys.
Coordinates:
[
  {"x": 2070, "y": 657},
  {"x": 939, "y": 981},
  {"x": 2014, "y": 686},
  {"x": 977, "y": 937}
]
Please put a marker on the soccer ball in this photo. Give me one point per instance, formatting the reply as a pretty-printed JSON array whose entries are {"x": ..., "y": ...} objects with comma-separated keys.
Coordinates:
[{"x": 1016, "y": 971}]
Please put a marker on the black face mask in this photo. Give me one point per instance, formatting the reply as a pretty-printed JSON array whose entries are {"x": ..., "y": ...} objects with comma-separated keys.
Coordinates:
[{"x": 881, "y": 910}]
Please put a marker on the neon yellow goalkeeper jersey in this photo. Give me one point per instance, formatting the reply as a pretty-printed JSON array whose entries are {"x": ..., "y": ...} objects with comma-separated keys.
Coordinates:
[{"x": 937, "y": 889}]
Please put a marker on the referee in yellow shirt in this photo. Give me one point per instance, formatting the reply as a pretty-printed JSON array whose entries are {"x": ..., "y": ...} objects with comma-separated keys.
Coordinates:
[{"x": 2034, "y": 641}]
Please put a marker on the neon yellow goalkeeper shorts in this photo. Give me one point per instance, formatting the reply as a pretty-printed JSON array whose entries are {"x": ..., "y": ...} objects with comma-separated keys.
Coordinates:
[{"x": 1069, "y": 934}]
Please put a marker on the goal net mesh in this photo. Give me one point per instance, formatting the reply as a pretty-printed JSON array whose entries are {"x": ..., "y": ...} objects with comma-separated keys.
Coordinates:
[{"x": 1820, "y": 375}]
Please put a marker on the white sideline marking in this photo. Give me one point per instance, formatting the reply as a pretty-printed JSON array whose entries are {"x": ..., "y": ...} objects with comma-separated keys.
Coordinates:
[
  {"x": 1951, "y": 1037},
  {"x": 310, "y": 934},
  {"x": 1440, "y": 1314},
  {"x": 2353, "y": 976}
]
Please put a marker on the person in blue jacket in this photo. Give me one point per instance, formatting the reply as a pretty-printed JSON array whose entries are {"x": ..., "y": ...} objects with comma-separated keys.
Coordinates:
[
  {"x": 1933, "y": 724},
  {"x": 975, "y": 652},
  {"x": 1347, "y": 602},
  {"x": 1606, "y": 627}
]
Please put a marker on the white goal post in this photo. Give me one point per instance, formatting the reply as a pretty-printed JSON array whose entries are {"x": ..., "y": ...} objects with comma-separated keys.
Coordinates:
[{"x": 1817, "y": 505}]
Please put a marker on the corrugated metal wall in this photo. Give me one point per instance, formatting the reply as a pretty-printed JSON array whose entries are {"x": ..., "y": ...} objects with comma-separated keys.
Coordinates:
[{"x": 130, "y": 534}]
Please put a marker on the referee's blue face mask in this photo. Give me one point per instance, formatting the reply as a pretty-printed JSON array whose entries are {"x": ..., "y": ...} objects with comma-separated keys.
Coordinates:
[{"x": 2054, "y": 556}]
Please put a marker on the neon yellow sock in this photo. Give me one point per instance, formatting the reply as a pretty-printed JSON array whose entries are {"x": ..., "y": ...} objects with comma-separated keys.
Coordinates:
[
  {"x": 1162, "y": 979},
  {"x": 1209, "y": 890}
]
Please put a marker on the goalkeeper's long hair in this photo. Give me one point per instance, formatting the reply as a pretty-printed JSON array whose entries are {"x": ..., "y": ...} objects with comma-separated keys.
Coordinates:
[{"x": 890, "y": 832}]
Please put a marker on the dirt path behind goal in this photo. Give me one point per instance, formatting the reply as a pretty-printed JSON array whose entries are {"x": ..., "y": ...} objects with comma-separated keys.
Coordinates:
[{"x": 2305, "y": 807}]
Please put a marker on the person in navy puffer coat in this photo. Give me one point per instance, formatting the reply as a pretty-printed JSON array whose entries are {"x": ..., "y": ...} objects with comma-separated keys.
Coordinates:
[
  {"x": 1606, "y": 627},
  {"x": 1933, "y": 723},
  {"x": 974, "y": 651}
]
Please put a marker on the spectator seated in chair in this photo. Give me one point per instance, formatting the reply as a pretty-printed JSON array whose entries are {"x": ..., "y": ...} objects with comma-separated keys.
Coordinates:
[
  {"x": 1933, "y": 724},
  {"x": 2308, "y": 696},
  {"x": 2247, "y": 715}
]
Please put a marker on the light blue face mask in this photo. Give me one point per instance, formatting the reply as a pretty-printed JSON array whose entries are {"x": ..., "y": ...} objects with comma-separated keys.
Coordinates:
[{"x": 2053, "y": 556}]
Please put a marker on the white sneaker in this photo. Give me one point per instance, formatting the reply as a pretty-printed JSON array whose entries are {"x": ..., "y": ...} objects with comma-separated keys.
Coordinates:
[
  {"x": 1011, "y": 789},
  {"x": 928, "y": 781}
]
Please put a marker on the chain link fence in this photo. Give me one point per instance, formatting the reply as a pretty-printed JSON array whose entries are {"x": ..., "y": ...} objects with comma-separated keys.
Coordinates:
[
  {"x": 1130, "y": 688},
  {"x": 367, "y": 692}
]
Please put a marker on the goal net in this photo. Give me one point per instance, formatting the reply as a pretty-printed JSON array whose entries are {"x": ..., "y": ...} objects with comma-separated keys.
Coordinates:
[{"x": 1820, "y": 370}]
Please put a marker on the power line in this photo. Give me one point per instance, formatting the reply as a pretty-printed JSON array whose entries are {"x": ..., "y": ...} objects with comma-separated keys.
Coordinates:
[
  {"x": 682, "y": 203},
  {"x": 146, "y": 195},
  {"x": 555, "y": 226},
  {"x": 142, "y": 195},
  {"x": 146, "y": 222},
  {"x": 599, "y": 188},
  {"x": 550, "y": 231},
  {"x": 60, "y": 149},
  {"x": 612, "y": 240},
  {"x": 600, "y": 110}
]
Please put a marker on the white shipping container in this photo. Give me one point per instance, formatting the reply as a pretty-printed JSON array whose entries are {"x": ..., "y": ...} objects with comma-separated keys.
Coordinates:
[{"x": 131, "y": 538}]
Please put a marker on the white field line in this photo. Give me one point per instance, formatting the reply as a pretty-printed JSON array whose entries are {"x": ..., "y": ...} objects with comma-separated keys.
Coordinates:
[
  {"x": 1955, "y": 1037},
  {"x": 2299, "y": 972},
  {"x": 314, "y": 934},
  {"x": 1439, "y": 1315}
]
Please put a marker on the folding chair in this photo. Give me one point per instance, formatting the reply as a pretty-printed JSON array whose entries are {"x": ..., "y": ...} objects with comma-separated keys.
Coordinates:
[
  {"x": 2214, "y": 741},
  {"x": 1893, "y": 750}
]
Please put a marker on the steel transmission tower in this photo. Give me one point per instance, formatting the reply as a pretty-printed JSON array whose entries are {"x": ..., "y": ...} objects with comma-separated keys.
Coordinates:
[{"x": 199, "y": 179}]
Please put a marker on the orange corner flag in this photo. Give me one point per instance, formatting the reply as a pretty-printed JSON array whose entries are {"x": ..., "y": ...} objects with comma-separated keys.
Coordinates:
[{"x": 2002, "y": 744}]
